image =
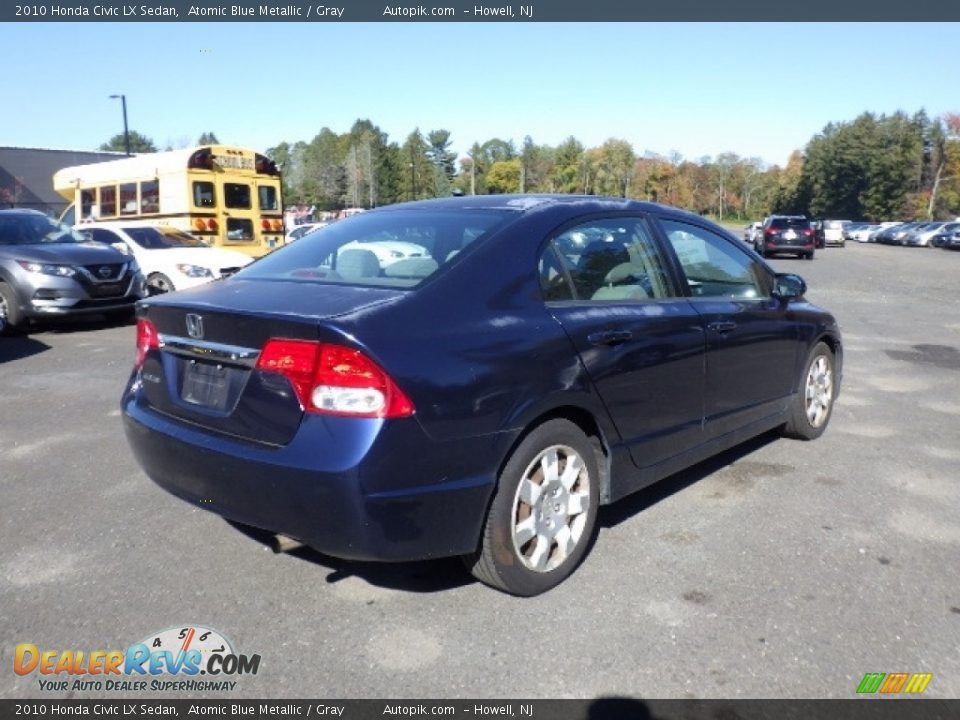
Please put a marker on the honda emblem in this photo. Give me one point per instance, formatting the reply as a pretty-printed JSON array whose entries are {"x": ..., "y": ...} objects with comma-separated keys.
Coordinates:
[{"x": 194, "y": 326}]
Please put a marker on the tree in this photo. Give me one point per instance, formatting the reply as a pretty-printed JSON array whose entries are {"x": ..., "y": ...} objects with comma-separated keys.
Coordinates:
[
  {"x": 207, "y": 138},
  {"x": 417, "y": 180},
  {"x": 138, "y": 143},
  {"x": 504, "y": 176},
  {"x": 565, "y": 173},
  {"x": 615, "y": 167},
  {"x": 444, "y": 161}
]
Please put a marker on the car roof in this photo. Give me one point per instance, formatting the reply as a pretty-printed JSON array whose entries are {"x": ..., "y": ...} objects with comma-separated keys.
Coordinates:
[{"x": 521, "y": 203}]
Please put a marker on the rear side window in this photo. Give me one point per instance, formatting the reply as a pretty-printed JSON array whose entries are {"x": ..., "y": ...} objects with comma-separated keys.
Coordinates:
[
  {"x": 393, "y": 248},
  {"x": 612, "y": 259}
]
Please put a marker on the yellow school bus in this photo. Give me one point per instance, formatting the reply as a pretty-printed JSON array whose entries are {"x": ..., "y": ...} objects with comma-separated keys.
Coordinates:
[{"x": 227, "y": 196}]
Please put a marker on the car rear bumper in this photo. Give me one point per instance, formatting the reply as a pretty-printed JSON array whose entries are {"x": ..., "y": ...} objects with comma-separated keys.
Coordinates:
[{"x": 393, "y": 495}]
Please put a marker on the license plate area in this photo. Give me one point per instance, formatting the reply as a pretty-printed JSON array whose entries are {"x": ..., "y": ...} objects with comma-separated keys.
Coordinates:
[{"x": 206, "y": 385}]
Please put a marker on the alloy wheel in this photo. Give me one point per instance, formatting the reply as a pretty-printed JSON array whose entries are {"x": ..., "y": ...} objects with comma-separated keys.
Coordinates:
[
  {"x": 819, "y": 391},
  {"x": 550, "y": 508}
]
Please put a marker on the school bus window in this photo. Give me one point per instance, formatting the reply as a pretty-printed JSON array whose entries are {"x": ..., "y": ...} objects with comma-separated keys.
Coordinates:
[
  {"x": 149, "y": 196},
  {"x": 239, "y": 229},
  {"x": 268, "y": 198},
  {"x": 236, "y": 195},
  {"x": 128, "y": 199},
  {"x": 203, "y": 194},
  {"x": 108, "y": 201},
  {"x": 87, "y": 201}
]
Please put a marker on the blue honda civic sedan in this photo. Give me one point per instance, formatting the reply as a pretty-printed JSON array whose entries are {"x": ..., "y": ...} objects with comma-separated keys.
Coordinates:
[{"x": 473, "y": 376}]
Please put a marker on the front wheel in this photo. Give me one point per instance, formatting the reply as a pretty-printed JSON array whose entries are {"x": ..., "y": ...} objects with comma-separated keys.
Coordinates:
[
  {"x": 158, "y": 283},
  {"x": 542, "y": 516},
  {"x": 12, "y": 320},
  {"x": 813, "y": 404}
]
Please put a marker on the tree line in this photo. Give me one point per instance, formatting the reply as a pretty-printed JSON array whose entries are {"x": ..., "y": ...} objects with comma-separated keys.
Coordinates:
[{"x": 875, "y": 167}]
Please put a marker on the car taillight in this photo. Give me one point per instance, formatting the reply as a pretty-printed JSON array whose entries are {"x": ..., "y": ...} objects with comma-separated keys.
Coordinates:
[
  {"x": 808, "y": 232},
  {"x": 770, "y": 231},
  {"x": 147, "y": 339},
  {"x": 334, "y": 379},
  {"x": 211, "y": 225},
  {"x": 265, "y": 224}
]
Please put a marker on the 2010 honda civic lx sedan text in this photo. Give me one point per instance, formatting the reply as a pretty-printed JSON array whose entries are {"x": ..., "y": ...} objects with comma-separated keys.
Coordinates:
[{"x": 542, "y": 356}]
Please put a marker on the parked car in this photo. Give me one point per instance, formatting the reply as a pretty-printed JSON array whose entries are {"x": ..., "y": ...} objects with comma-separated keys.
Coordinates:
[
  {"x": 480, "y": 402},
  {"x": 883, "y": 227},
  {"x": 786, "y": 234},
  {"x": 48, "y": 270},
  {"x": 170, "y": 259},
  {"x": 751, "y": 231},
  {"x": 833, "y": 232},
  {"x": 922, "y": 234},
  {"x": 817, "y": 227},
  {"x": 894, "y": 234},
  {"x": 298, "y": 231},
  {"x": 945, "y": 235},
  {"x": 861, "y": 232}
]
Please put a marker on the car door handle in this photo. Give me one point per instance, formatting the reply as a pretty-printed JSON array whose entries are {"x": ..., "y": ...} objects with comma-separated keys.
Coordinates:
[
  {"x": 722, "y": 326},
  {"x": 609, "y": 337}
]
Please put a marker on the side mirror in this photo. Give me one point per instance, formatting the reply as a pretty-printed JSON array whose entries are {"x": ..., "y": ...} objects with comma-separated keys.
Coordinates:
[{"x": 788, "y": 286}]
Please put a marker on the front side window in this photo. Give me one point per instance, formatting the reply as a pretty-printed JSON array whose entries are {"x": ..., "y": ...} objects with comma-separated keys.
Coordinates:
[
  {"x": 268, "y": 197},
  {"x": 713, "y": 266},
  {"x": 236, "y": 195},
  {"x": 204, "y": 195},
  {"x": 613, "y": 259}
]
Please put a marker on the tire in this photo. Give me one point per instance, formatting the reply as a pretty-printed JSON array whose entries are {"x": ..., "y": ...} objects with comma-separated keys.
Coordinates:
[
  {"x": 813, "y": 404},
  {"x": 12, "y": 321},
  {"x": 158, "y": 283},
  {"x": 809, "y": 256},
  {"x": 529, "y": 546}
]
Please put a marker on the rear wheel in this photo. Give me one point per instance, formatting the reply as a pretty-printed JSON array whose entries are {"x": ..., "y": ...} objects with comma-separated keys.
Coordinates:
[
  {"x": 12, "y": 320},
  {"x": 813, "y": 405},
  {"x": 542, "y": 517},
  {"x": 158, "y": 283},
  {"x": 809, "y": 256}
]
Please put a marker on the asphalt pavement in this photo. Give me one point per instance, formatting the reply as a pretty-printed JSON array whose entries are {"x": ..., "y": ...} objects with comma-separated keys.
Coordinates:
[{"x": 779, "y": 569}]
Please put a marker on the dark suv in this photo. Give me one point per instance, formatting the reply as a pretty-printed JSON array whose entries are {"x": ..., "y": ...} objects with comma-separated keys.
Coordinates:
[
  {"x": 49, "y": 270},
  {"x": 786, "y": 234}
]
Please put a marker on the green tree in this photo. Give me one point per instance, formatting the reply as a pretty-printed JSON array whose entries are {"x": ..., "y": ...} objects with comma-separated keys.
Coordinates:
[
  {"x": 504, "y": 176},
  {"x": 565, "y": 172},
  {"x": 444, "y": 161},
  {"x": 138, "y": 143},
  {"x": 417, "y": 178}
]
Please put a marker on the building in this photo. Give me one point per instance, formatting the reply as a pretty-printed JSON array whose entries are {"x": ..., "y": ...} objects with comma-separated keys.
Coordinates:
[{"x": 26, "y": 176}]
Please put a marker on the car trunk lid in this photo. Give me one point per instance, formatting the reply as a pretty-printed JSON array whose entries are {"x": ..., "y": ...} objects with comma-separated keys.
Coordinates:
[{"x": 203, "y": 367}]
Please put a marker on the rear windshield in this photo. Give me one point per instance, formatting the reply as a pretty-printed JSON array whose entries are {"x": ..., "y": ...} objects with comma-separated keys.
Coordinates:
[
  {"x": 393, "y": 248},
  {"x": 796, "y": 223}
]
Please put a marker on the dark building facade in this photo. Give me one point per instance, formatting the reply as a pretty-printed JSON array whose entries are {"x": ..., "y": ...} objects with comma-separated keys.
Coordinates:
[{"x": 26, "y": 176}]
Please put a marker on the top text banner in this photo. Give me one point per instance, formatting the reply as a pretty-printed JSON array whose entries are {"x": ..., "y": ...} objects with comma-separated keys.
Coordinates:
[{"x": 473, "y": 11}]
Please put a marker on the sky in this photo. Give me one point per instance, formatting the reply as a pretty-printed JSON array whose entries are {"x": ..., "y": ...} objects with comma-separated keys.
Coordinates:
[{"x": 699, "y": 89}]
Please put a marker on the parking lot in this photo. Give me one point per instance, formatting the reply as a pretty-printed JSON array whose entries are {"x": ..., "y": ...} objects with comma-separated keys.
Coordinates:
[{"x": 780, "y": 569}]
